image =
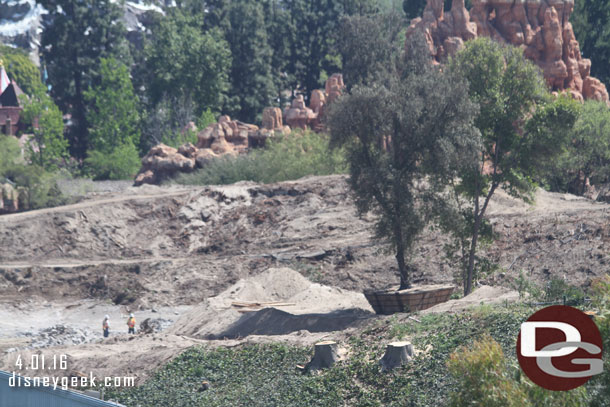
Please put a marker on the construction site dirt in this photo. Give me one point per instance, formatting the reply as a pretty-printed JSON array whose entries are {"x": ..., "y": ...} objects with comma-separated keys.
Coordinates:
[{"x": 224, "y": 265}]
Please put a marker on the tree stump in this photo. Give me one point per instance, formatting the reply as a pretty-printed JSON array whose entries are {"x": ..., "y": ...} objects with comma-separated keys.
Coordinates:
[
  {"x": 396, "y": 354},
  {"x": 325, "y": 355}
]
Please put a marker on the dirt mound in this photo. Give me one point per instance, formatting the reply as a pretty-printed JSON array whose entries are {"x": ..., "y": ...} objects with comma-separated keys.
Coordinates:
[
  {"x": 303, "y": 305},
  {"x": 271, "y": 321}
]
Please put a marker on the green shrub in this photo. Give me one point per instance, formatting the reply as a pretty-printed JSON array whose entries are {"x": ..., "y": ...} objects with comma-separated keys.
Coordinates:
[
  {"x": 284, "y": 158},
  {"x": 600, "y": 385},
  {"x": 10, "y": 153},
  {"x": 485, "y": 379},
  {"x": 179, "y": 138},
  {"x": 122, "y": 163},
  {"x": 37, "y": 187},
  {"x": 587, "y": 157},
  {"x": 20, "y": 69},
  {"x": 206, "y": 118}
]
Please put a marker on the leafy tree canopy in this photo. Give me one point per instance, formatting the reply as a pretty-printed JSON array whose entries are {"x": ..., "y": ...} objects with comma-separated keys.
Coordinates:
[
  {"x": 521, "y": 125},
  {"x": 49, "y": 146},
  {"x": 183, "y": 62},
  {"x": 405, "y": 137},
  {"x": 77, "y": 36},
  {"x": 20, "y": 69},
  {"x": 114, "y": 120},
  {"x": 591, "y": 20}
]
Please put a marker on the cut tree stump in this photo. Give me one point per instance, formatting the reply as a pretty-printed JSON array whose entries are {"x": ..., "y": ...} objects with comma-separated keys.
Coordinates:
[
  {"x": 396, "y": 354},
  {"x": 325, "y": 355}
]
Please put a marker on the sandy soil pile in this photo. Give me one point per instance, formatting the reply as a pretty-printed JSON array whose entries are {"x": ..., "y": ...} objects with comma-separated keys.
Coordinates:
[{"x": 313, "y": 307}]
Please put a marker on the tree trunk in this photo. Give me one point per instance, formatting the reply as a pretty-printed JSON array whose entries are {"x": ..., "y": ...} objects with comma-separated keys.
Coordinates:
[
  {"x": 400, "y": 259},
  {"x": 325, "y": 355},
  {"x": 396, "y": 355},
  {"x": 471, "y": 254},
  {"x": 473, "y": 243},
  {"x": 478, "y": 218}
]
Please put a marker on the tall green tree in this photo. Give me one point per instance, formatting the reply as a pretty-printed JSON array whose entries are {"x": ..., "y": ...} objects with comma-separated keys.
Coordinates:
[
  {"x": 587, "y": 157},
  {"x": 114, "y": 121},
  {"x": 186, "y": 65},
  {"x": 591, "y": 22},
  {"x": 252, "y": 85},
  {"x": 46, "y": 123},
  {"x": 77, "y": 35},
  {"x": 314, "y": 52},
  {"x": 521, "y": 126},
  {"x": 369, "y": 45},
  {"x": 280, "y": 35},
  {"x": 405, "y": 136}
]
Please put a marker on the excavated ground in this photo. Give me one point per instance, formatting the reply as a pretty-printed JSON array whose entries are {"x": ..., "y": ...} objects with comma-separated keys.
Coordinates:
[{"x": 163, "y": 251}]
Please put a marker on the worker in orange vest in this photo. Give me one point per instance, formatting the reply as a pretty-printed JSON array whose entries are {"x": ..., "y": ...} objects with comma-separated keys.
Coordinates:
[
  {"x": 131, "y": 324},
  {"x": 106, "y": 326}
]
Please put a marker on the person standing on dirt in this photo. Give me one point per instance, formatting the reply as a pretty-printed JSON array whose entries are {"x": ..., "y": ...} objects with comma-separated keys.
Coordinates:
[
  {"x": 106, "y": 326},
  {"x": 131, "y": 324}
]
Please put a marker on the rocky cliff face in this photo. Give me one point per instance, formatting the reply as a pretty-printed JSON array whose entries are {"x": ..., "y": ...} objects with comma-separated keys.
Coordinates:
[{"x": 541, "y": 27}]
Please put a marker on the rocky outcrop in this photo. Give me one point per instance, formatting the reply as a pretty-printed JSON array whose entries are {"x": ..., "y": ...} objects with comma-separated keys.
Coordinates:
[
  {"x": 298, "y": 115},
  {"x": 540, "y": 27},
  {"x": 231, "y": 137},
  {"x": 225, "y": 138}
]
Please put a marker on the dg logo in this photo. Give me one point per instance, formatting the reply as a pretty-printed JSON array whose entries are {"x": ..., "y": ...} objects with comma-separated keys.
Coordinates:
[{"x": 560, "y": 348}]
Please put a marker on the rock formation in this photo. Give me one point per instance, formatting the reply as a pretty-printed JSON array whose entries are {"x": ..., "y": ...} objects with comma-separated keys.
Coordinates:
[
  {"x": 298, "y": 115},
  {"x": 231, "y": 137},
  {"x": 540, "y": 27},
  {"x": 225, "y": 138}
]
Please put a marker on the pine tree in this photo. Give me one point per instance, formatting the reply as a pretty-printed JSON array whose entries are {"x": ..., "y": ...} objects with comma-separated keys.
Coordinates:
[
  {"x": 77, "y": 36},
  {"x": 314, "y": 49},
  {"x": 252, "y": 86}
]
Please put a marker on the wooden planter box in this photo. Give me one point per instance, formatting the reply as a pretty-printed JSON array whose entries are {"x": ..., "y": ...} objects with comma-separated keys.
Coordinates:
[{"x": 413, "y": 299}]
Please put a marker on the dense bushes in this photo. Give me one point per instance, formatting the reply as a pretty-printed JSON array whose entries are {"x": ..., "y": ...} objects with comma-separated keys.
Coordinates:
[
  {"x": 600, "y": 293},
  {"x": 284, "y": 158},
  {"x": 20, "y": 69},
  {"x": 587, "y": 157},
  {"x": 121, "y": 162},
  {"x": 484, "y": 378},
  {"x": 38, "y": 187}
]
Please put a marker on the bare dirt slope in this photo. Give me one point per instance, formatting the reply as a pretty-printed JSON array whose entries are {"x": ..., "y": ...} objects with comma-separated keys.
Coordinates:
[
  {"x": 158, "y": 246},
  {"x": 166, "y": 251}
]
